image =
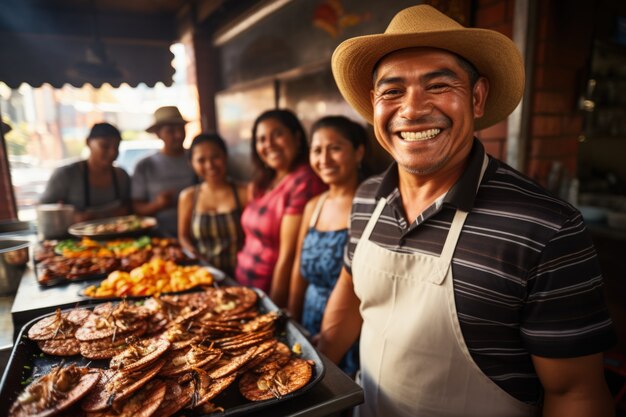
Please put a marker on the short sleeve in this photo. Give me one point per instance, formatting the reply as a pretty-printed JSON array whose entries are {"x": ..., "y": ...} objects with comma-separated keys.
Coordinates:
[
  {"x": 56, "y": 187},
  {"x": 363, "y": 205},
  {"x": 565, "y": 314},
  {"x": 306, "y": 185},
  {"x": 348, "y": 251}
]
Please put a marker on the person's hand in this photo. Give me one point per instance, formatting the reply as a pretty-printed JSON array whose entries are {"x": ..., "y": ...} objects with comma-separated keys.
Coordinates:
[
  {"x": 165, "y": 199},
  {"x": 315, "y": 340}
]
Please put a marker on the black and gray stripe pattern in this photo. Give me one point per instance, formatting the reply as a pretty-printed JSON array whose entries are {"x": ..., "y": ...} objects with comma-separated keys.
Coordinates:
[{"x": 526, "y": 276}]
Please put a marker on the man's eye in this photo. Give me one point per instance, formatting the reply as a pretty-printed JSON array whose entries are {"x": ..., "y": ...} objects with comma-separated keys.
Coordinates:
[
  {"x": 392, "y": 92},
  {"x": 437, "y": 86}
]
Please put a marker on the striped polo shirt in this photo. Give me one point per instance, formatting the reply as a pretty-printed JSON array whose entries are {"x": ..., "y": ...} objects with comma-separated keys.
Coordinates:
[{"x": 526, "y": 275}]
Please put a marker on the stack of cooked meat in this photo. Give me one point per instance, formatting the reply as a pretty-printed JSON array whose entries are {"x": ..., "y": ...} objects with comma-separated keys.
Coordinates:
[{"x": 165, "y": 355}]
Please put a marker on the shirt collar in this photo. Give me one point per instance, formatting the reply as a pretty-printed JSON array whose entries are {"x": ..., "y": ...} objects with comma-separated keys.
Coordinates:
[{"x": 462, "y": 193}]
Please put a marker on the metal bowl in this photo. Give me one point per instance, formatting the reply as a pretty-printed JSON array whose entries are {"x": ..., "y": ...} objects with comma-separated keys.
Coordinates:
[{"x": 13, "y": 260}]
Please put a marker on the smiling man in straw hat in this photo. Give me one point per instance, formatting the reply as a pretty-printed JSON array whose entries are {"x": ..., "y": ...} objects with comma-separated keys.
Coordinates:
[
  {"x": 475, "y": 292},
  {"x": 158, "y": 179}
]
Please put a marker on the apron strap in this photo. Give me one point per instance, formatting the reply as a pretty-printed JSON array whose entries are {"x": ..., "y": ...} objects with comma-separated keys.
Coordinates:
[
  {"x": 373, "y": 219},
  {"x": 87, "y": 186},
  {"x": 445, "y": 259}
]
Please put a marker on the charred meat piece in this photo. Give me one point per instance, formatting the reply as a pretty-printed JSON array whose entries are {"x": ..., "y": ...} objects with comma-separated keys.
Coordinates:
[
  {"x": 54, "y": 392},
  {"x": 139, "y": 354},
  {"x": 276, "y": 384},
  {"x": 60, "y": 325}
]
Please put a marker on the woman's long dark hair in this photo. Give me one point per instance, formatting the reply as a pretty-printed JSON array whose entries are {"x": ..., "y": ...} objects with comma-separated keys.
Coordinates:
[{"x": 263, "y": 174}]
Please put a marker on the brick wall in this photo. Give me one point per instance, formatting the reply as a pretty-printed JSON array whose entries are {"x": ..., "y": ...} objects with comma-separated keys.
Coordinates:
[
  {"x": 496, "y": 15},
  {"x": 562, "y": 52}
]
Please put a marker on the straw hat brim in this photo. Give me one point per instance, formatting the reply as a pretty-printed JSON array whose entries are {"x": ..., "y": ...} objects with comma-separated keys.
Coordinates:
[
  {"x": 172, "y": 121},
  {"x": 493, "y": 54}
]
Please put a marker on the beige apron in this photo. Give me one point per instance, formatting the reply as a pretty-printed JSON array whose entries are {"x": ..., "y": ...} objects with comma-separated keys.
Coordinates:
[{"x": 414, "y": 361}]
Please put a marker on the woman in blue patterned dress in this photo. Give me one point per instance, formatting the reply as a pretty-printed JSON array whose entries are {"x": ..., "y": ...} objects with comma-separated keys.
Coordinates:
[{"x": 337, "y": 149}]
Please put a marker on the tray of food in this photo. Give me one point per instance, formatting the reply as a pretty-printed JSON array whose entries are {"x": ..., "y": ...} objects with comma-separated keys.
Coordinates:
[
  {"x": 221, "y": 352},
  {"x": 153, "y": 278},
  {"x": 71, "y": 260},
  {"x": 111, "y": 227}
]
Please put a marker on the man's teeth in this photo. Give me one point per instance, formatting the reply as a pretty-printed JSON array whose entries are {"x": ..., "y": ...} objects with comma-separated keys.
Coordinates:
[{"x": 415, "y": 136}]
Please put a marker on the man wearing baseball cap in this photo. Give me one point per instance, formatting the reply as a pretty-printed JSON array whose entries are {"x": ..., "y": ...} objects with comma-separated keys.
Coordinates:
[
  {"x": 475, "y": 292},
  {"x": 158, "y": 179}
]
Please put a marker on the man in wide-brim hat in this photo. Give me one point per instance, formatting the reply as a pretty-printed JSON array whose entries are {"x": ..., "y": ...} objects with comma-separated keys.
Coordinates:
[
  {"x": 474, "y": 291},
  {"x": 158, "y": 179}
]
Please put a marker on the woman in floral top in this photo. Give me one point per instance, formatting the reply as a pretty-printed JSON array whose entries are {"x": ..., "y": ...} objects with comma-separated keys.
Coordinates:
[{"x": 283, "y": 184}]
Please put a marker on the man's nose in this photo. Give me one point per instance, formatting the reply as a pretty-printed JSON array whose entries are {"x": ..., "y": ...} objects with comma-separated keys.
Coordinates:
[{"x": 415, "y": 104}]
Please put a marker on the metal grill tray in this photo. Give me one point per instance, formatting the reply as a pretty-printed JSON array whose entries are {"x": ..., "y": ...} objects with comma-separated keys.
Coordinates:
[{"x": 28, "y": 362}]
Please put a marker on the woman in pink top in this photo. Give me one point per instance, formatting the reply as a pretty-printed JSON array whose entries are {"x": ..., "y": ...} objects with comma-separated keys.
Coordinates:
[{"x": 282, "y": 186}]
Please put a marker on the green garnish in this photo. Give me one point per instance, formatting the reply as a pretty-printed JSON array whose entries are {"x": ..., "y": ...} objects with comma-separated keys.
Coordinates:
[
  {"x": 69, "y": 244},
  {"x": 139, "y": 243}
]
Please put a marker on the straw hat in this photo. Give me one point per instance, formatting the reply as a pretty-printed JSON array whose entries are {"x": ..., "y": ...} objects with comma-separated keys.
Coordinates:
[
  {"x": 494, "y": 55},
  {"x": 167, "y": 115}
]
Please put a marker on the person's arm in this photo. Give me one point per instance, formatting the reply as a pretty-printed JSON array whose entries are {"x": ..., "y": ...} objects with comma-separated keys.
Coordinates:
[
  {"x": 574, "y": 387},
  {"x": 289, "y": 228},
  {"x": 162, "y": 201},
  {"x": 185, "y": 208},
  {"x": 141, "y": 202},
  {"x": 56, "y": 187},
  {"x": 342, "y": 320},
  {"x": 126, "y": 206},
  {"x": 298, "y": 283}
]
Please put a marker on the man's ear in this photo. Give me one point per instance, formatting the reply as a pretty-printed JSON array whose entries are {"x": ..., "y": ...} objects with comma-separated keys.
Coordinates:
[{"x": 479, "y": 96}]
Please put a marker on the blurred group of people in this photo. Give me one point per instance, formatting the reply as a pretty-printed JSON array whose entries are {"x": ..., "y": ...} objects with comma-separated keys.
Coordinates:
[
  {"x": 283, "y": 233},
  {"x": 98, "y": 189}
]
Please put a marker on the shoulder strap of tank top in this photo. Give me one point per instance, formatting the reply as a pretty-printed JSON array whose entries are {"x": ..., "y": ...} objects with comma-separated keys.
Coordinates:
[{"x": 318, "y": 209}]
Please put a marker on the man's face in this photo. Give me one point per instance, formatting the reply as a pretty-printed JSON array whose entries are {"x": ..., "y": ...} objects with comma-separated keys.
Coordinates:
[
  {"x": 103, "y": 150},
  {"x": 173, "y": 136},
  {"x": 424, "y": 109}
]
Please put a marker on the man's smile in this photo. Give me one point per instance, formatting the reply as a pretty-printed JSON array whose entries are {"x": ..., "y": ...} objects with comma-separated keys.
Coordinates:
[{"x": 419, "y": 136}]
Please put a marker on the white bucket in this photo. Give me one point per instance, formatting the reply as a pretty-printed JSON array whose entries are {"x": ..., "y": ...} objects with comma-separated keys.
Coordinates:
[{"x": 53, "y": 220}]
